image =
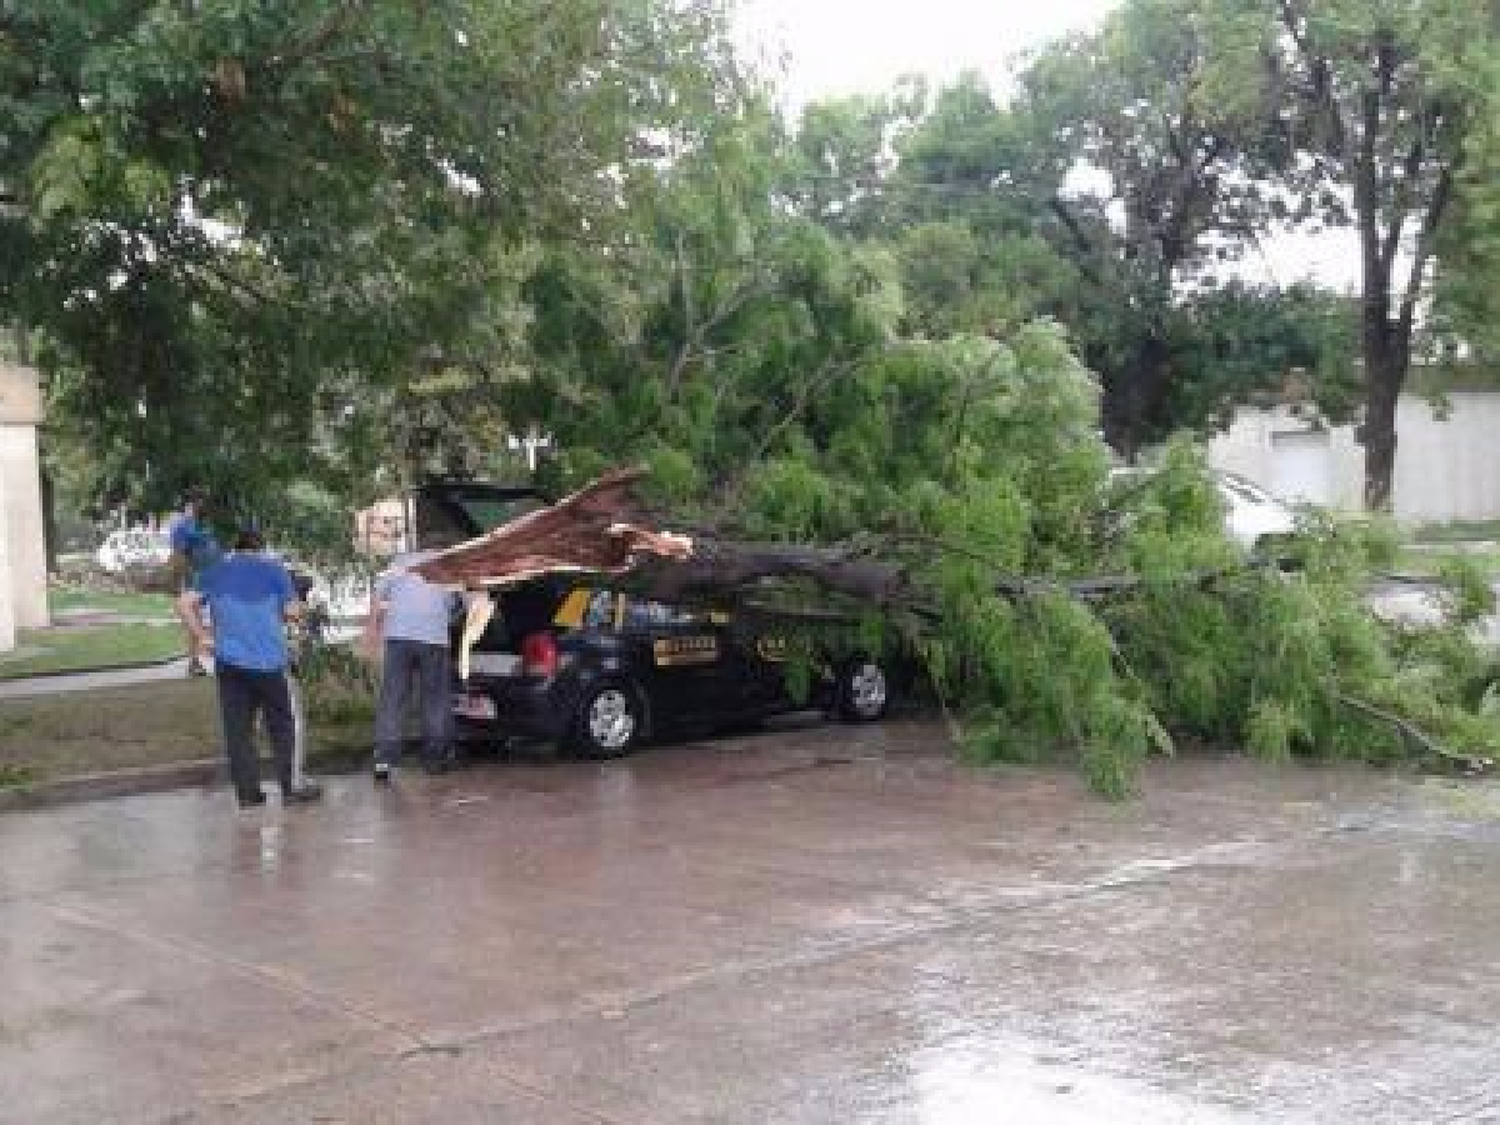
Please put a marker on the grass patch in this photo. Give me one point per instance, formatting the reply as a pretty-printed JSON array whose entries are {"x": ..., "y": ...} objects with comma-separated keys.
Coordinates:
[
  {"x": 1459, "y": 531},
  {"x": 44, "y": 738},
  {"x": 88, "y": 732},
  {"x": 134, "y": 603},
  {"x": 73, "y": 648}
]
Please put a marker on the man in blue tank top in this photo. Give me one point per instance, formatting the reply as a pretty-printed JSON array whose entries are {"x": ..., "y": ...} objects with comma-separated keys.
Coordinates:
[
  {"x": 194, "y": 550},
  {"x": 249, "y": 596}
]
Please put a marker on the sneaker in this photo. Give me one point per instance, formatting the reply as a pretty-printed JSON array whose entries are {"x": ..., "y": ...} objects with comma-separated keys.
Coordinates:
[
  {"x": 196, "y": 667},
  {"x": 436, "y": 766},
  {"x": 305, "y": 793},
  {"x": 248, "y": 800},
  {"x": 382, "y": 773}
]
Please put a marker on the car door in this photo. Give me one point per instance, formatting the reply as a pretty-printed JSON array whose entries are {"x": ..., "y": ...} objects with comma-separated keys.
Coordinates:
[
  {"x": 683, "y": 655},
  {"x": 757, "y": 664}
]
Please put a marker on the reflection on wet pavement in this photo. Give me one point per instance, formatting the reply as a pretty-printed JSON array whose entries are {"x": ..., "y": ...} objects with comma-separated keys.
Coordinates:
[{"x": 816, "y": 925}]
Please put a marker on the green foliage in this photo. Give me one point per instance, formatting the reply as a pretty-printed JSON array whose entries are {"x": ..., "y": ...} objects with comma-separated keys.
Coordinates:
[{"x": 337, "y": 685}]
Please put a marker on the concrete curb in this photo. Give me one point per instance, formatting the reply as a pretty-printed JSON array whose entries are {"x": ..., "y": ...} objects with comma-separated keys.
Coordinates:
[{"x": 115, "y": 783}]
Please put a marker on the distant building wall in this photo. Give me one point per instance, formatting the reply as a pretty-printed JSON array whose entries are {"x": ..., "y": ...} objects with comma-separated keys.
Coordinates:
[
  {"x": 20, "y": 466},
  {"x": 1447, "y": 468}
]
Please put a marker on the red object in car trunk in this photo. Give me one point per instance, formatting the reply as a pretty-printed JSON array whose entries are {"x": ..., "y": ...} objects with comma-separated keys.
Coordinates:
[{"x": 539, "y": 655}]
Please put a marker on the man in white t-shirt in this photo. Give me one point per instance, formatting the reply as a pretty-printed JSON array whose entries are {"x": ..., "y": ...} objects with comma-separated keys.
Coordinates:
[{"x": 409, "y": 625}]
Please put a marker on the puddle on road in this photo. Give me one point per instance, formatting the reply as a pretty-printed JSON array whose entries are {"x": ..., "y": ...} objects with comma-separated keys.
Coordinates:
[
  {"x": 270, "y": 848},
  {"x": 982, "y": 1082}
]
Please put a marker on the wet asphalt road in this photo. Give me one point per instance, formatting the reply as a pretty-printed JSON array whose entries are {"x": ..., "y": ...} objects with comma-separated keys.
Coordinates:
[{"x": 802, "y": 927}]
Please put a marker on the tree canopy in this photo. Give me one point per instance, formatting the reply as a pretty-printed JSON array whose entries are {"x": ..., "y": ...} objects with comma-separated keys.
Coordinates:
[{"x": 234, "y": 224}]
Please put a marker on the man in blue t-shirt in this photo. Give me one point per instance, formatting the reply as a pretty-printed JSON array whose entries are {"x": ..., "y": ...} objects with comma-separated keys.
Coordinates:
[
  {"x": 194, "y": 549},
  {"x": 249, "y": 596}
]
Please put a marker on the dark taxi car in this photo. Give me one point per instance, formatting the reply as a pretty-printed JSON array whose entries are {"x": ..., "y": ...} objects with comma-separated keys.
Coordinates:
[{"x": 600, "y": 671}]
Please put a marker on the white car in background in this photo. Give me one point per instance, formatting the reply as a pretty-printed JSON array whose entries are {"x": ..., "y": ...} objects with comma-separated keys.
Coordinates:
[
  {"x": 133, "y": 548},
  {"x": 1253, "y": 518}
]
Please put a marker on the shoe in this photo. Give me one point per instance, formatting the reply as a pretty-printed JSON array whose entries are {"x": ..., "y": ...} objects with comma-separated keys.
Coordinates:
[
  {"x": 248, "y": 800},
  {"x": 304, "y": 794},
  {"x": 196, "y": 668},
  {"x": 436, "y": 766},
  {"x": 383, "y": 773}
]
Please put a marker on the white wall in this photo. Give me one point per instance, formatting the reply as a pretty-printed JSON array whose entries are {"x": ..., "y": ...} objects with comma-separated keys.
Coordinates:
[
  {"x": 7, "y": 598},
  {"x": 20, "y": 414},
  {"x": 1446, "y": 469}
]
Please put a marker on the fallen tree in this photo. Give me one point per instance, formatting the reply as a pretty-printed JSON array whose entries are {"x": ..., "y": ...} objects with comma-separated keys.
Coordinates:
[{"x": 1281, "y": 663}]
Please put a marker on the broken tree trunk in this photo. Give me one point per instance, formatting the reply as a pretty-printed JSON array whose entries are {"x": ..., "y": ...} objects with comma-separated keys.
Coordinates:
[{"x": 605, "y": 529}]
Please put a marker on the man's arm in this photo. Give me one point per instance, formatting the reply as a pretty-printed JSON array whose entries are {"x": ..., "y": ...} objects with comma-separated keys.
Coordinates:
[
  {"x": 291, "y": 604},
  {"x": 190, "y": 610}
]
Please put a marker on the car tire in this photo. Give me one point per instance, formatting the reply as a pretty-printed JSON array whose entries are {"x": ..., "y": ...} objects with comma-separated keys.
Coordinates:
[
  {"x": 610, "y": 722},
  {"x": 862, "y": 690}
]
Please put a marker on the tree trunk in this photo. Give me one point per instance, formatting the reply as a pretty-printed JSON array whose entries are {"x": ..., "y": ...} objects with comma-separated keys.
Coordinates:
[
  {"x": 593, "y": 531},
  {"x": 1387, "y": 358},
  {"x": 49, "y": 520},
  {"x": 1133, "y": 399}
]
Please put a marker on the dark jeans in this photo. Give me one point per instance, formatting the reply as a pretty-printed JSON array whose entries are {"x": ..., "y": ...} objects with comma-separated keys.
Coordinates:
[
  {"x": 243, "y": 692},
  {"x": 409, "y": 667}
]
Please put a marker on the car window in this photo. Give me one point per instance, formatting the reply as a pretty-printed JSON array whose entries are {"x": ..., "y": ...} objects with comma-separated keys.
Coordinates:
[
  {"x": 640, "y": 613},
  {"x": 600, "y": 613}
]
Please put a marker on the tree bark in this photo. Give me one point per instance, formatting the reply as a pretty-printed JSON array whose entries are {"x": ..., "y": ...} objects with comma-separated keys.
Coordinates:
[
  {"x": 1134, "y": 397},
  {"x": 1387, "y": 356},
  {"x": 603, "y": 529}
]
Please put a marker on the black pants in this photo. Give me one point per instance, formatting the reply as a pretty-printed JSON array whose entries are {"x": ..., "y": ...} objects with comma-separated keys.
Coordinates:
[
  {"x": 242, "y": 693},
  {"x": 411, "y": 666}
]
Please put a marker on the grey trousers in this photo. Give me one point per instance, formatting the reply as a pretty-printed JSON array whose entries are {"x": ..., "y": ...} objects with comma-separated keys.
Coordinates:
[
  {"x": 243, "y": 692},
  {"x": 410, "y": 668}
]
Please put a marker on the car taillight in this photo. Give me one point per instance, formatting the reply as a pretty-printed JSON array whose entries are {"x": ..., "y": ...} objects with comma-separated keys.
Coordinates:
[{"x": 539, "y": 655}]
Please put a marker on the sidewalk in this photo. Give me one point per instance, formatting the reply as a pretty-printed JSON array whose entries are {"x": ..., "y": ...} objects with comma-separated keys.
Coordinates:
[{"x": 87, "y": 681}]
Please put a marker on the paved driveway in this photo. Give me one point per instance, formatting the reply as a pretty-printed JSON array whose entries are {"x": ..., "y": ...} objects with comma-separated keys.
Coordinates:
[{"x": 803, "y": 927}]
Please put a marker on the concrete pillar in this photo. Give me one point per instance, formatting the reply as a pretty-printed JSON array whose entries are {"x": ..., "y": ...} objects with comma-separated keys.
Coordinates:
[
  {"x": 7, "y": 597},
  {"x": 20, "y": 467}
]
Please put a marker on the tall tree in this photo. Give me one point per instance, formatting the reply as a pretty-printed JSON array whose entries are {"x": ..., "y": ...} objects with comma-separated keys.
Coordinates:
[
  {"x": 1164, "y": 191},
  {"x": 234, "y": 218},
  {"x": 1388, "y": 104}
]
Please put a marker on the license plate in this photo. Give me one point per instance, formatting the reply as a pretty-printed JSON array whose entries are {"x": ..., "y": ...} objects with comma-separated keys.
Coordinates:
[
  {"x": 494, "y": 664},
  {"x": 480, "y": 707}
]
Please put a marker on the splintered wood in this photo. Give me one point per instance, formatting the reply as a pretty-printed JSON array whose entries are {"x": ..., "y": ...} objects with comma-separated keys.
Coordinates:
[{"x": 596, "y": 530}]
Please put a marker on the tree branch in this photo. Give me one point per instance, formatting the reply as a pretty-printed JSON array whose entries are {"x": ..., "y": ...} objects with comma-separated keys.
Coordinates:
[
  {"x": 1081, "y": 240},
  {"x": 1426, "y": 245},
  {"x": 1401, "y": 196}
]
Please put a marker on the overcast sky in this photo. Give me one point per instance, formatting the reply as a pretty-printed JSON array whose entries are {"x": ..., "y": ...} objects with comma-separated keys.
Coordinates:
[
  {"x": 860, "y": 46},
  {"x": 822, "y": 48}
]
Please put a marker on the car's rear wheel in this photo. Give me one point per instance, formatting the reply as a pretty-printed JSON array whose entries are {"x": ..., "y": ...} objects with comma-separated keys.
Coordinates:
[
  {"x": 862, "y": 690},
  {"x": 610, "y": 722}
]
